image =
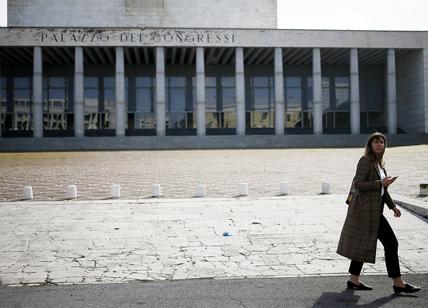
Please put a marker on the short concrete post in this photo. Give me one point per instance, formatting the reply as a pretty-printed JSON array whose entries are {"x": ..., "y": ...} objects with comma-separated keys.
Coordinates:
[
  {"x": 325, "y": 188},
  {"x": 200, "y": 191},
  {"x": 72, "y": 192},
  {"x": 115, "y": 191},
  {"x": 243, "y": 189},
  {"x": 283, "y": 188},
  {"x": 157, "y": 190},
  {"x": 28, "y": 192},
  {"x": 423, "y": 189}
]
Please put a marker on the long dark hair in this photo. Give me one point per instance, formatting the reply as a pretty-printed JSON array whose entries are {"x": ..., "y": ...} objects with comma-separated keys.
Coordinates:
[{"x": 368, "y": 152}]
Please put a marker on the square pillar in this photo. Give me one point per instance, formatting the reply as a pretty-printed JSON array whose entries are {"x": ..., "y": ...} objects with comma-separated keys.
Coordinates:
[
  {"x": 355, "y": 92},
  {"x": 391, "y": 100},
  {"x": 279, "y": 93},
  {"x": 317, "y": 94},
  {"x": 79, "y": 111},
  {"x": 37, "y": 93},
  {"x": 200, "y": 92},
  {"x": 240, "y": 91},
  {"x": 120, "y": 93},
  {"x": 160, "y": 91}
]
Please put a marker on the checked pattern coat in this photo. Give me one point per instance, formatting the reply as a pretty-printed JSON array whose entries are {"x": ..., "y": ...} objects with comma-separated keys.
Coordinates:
[{"x": 358, "y": 239}]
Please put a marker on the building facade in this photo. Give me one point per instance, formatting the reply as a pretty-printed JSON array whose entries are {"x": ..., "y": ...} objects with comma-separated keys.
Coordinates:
[{"x": 150, "y": 71}]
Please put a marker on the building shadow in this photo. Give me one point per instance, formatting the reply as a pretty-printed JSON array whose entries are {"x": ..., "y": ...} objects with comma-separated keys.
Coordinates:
[{"x": 347, "y": 298}]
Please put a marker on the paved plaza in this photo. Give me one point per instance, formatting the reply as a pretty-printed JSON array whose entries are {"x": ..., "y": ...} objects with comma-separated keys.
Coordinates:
[
  {"x": 162, "y": 239},
  {"x": 179, "y": 172}
]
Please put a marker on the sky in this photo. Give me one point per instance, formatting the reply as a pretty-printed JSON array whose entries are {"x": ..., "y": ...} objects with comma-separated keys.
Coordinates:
[{"x": 339, "y": 14}]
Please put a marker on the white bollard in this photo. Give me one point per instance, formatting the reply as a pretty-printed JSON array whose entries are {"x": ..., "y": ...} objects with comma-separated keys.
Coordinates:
[
  {"x": 283, "y": 188},
  {"x": 325, "y": 188},
  {"x": 28, "y": 192},
  {"x": 115, "y": 191},
  {"x": 200, "y": 191},
  {"x": 243, "y": 189},
  {"x": 72, "y": 192},
  {"x": 156, "y": 190}
]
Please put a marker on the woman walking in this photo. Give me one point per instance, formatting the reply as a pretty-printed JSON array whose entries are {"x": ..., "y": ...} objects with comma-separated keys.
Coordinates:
[{"x": 365, "y": 222}]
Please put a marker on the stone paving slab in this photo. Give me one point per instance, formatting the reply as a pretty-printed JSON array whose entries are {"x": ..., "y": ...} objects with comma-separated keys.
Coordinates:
[
  {"x": 73, "y": 242},
  {"x": 179, "y": 172}
]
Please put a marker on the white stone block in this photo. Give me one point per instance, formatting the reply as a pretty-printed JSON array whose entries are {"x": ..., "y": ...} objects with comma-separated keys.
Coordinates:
[
  {"x": 28, "y": 192},
  {"x": 72, "y": 192},
  {"x": 200, "y": 191},
  {"x": 243, "y": 189},
  {"x": 423, "y": 189},
  {"x": 115, "y": 191},
  {"x": 283, "y": 188},
  {"x": 325, "y": 188},
  {"x": 157, "y": 190}
]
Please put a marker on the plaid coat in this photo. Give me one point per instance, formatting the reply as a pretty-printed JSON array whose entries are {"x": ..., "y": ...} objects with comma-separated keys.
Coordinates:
[{"x": 359, "y": 234}]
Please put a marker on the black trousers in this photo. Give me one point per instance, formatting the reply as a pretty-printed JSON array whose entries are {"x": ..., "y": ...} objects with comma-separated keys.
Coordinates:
[{"x": 387, "y": 237}]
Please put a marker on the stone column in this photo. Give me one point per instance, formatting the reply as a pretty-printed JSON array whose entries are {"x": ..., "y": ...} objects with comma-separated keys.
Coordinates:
[
  {"x": 279, "y": 93},
  {"x": 391, "y": 101},
  {"x": 355, "y": 92},
  {"x": 120, "y": 93},
  {"x": 317, "y": 94},
  {"x": 38, "y": 93},
  {"x": 160, "y": 91},
  {"x": 240, "y": 91},
  {"x": 79, "y": 110},
  {"x": 200, "y": 92}
]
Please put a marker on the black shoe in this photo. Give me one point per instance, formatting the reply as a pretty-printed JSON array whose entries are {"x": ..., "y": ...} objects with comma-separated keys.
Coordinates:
[
  {"x": 407, "y": 289},
  {"x": 360, "y": 286}
]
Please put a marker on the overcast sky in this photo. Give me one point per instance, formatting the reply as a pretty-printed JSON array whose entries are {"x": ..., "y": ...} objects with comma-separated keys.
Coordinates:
[{"x": 340, "y": 14}]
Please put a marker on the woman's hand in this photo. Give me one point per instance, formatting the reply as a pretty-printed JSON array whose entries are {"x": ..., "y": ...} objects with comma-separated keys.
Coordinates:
[
  {"x": 388, "y": 181},
  {"x": 397, "y": 212}
]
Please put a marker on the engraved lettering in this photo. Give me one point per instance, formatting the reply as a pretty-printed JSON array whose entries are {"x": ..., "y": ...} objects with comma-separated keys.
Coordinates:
[
  {"x": 104, "y": 37},
  {"x": 226, "y": 38},
  {"x": 209, "y": 37},
  {"x": 83, "y": 37},
  {"x": 200, "y": 38},
  {"x": 217, "y": 38},
  {"x": 168, "y": 37},
  {"x": 190, "y": 38},
  {"x": 44, "y": 36},
  {"x": 74, "y": 38},
  {"x": 156, "y": 37},
  {"x": 179, "y": 37}
]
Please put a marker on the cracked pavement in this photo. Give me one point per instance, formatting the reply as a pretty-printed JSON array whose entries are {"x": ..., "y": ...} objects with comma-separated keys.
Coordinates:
[{"x": 109, "y": 241}]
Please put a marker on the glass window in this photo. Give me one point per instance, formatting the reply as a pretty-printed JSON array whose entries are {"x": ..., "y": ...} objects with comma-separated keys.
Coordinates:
[
  {"x": 262, "y": 106},
  {"x": 22, "y": 103},
  {"x": 55, "y": 102},
  {"x": 342, "y": 93},
  {"x": 91, "y": 103},
  {"x": 3, "y": 93},
  {"x": 144, "y": 117},
  {"x": 293, "y": 102},
  {"x": 176, "y": 103},
  {"x": 176, "y": 93},
  {"x": 3, "y": 102}
]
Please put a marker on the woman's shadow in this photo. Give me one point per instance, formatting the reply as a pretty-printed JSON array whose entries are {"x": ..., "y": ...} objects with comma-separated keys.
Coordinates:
[{"x": 347, "y": 298}]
